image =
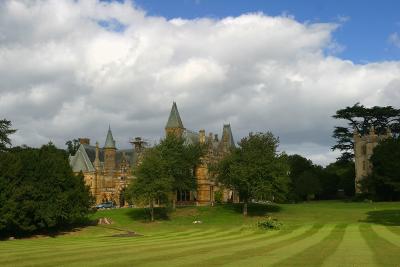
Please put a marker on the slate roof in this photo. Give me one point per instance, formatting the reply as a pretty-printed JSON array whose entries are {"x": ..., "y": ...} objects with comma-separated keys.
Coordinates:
[
  {"x": 110, "y": 142},
  {"x": 83, "y": 160},
  {"x": 174, "y": 120}
]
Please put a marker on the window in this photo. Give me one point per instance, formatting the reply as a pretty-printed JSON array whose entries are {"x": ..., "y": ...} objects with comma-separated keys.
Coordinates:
[{"x": 183, "y": 195}]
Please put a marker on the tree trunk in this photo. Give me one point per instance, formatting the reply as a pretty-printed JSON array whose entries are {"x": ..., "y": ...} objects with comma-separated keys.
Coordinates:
[
  {"x": 152, "y": 210},
  {"x": 245, "y": 208}
]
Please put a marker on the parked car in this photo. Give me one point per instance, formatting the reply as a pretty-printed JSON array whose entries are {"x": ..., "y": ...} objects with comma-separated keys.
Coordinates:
[{"x": 105, "y": 205}]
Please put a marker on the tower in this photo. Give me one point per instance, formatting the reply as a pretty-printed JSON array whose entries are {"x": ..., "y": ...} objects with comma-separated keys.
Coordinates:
[
  {"x": 363, "y": 150},
  {"x": 174, "y": 124},
  {"x": 227, "y": 140},
  {"x": 109, "y": 152}
]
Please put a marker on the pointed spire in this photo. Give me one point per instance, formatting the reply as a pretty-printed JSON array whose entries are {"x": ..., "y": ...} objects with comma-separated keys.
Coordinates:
[
  {"x": 110, "y": 143},
  {"x": 227, "y": 136},
  {"x": 174, "y": 120}
]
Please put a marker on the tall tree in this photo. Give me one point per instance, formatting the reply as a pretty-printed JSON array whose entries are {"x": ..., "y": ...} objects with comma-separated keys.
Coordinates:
[
  {"x": 154, "y": 181},
  {"x": 181, "y": 160},
  {"x": 5, "y": 132},
  {"x": 255, "y": 169},
  {"x": 39, "y": 191},
  {"x": 361, "y": 118}
]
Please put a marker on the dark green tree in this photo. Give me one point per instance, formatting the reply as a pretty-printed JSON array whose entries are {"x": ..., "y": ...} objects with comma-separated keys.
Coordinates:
[
  {"x": 384, "y": 182},
  {"x": 181, "y": 160},
  {"x": 39, "y": 191},
  {"x": 72, "y": 146},
  {"x": 297, "y": 166},
  {"x": 5, "y": 132},
  {"x": 307, "y": 185},
  {"x": 362, "y": 118},
  {"x": 154, "y": 181},
  {"x": 342, "y": 172},
  {"x": 255, "y": 169}
]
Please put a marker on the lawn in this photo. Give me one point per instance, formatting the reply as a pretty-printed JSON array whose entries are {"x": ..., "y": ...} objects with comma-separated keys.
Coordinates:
[{"x": 313, "y": 234}]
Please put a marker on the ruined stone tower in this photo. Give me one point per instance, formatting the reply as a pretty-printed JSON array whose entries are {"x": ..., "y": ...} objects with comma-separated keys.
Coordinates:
[{"x": 363, "y": 150}]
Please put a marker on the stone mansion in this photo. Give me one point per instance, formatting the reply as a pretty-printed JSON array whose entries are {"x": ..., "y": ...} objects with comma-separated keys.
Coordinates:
[{"x": 108, "y": 170}]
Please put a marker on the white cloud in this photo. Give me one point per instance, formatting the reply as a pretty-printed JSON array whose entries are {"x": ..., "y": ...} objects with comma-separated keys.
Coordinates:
[{"x": 65, "y": 76}]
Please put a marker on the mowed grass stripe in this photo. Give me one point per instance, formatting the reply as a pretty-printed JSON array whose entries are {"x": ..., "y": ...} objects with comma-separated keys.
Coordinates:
[
  {"x": 211, "y": 246},
  {"x": 223, "y": 254},
  {"x": 385, "y": 233},
  {"x": 269, "y": 255},
  {"x": 386, "y": 253},
  {"x": 142, "y": 255},
  {"x": 73, "y": 253},
  {"x": 220, "y": 248},
  {"x": 316, "y": 254},
  {"x": 353, "y": 251},
  {"x": 43, "y": 249}
]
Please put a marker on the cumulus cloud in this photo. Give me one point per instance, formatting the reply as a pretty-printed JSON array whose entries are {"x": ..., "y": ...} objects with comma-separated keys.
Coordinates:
[{"x": 70, "y": 68}]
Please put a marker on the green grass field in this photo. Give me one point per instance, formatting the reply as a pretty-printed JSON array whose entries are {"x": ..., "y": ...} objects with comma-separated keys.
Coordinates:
[{"x": 314, "y": 234}]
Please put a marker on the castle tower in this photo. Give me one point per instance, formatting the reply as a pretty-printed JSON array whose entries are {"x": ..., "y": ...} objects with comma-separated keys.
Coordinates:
[
  {"x": 109, "y": 152},
  {"x": 174, "y": 124},
  {"x": 227, "y": 139},
  {"x": 363, "y": 151}
]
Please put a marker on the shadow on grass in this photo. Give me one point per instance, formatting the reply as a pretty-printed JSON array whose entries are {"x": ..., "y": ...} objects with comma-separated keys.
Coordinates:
[
  {"x": 160, "y": 213},
  {"x": 254, "y": 209},
  {"x": 384, "y": 217}
]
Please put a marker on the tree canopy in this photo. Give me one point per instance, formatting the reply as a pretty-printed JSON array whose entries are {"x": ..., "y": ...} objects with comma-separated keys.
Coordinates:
[
  {"x": 39, "y": 192},
  {"x": 153, "y": 181},
  {"x": 255, "y": 169},
  {"x": 165, "y": 169},
  {"x": 72, "y": 146},
  {"x": 362, "y": 118}
]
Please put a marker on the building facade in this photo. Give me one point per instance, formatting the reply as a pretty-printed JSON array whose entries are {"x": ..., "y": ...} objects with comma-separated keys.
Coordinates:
[
  {"x": 106, "y": 170},
  {"x": 363, "y": 150},
  {"x": 216, "y": 149}
]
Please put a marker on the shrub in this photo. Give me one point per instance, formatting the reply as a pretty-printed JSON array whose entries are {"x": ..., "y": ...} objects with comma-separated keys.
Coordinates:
[{"x": 269, "y": 224}]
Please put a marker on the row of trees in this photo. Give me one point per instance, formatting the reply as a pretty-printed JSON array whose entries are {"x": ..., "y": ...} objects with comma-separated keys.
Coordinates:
[{"x": 38, "y": 190}]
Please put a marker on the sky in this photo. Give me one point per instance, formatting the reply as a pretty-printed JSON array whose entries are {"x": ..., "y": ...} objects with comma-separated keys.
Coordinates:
[{"x": 71, "y": 68}]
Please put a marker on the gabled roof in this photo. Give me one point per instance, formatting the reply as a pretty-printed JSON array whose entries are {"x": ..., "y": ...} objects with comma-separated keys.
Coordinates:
[
  {"x": 110, "y": 143},
  {"x": 174, "y": 120},
  {"x": 80, "y": 161}
]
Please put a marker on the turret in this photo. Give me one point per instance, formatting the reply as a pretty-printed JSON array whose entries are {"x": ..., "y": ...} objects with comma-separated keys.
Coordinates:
[
  {"x": 97, "y": 158},
  {"x": 109, "y": 152},
  {"x": 174, "y": 124}
]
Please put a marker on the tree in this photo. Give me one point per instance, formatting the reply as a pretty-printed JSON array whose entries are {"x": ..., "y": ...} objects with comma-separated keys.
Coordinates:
[
  {"x": 255, "y": 169},
  {"x": 72, "y": 146},
  {"x": 384, "y": 181},
  {"x": 297, "y": 166},
  {"x": 181, "y": 160},
  {"x": 154, "y": 181},
  {"x": 342, "y": 171},
  {"x": 39, "y": 191},
  {"x": 5, "y": 131},
  {"x": 361, "y": 118},
  {"x": 308, "y": 185}
]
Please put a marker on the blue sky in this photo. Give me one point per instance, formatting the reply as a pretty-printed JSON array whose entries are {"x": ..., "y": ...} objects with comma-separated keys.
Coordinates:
[{"x": 364, "y": 34}]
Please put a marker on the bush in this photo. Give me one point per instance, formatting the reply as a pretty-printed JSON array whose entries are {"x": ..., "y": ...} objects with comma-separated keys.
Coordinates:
[
  {"x": 218, "y": 196},
  {"x": 269, "y": 224}
]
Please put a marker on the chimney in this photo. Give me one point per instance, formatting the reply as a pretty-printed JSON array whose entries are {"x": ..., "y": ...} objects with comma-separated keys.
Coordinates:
[
  {"x": 84, "y": 141},
  {"x": 138, "y": 144},
  {"x": 216, "y": 137},
  {"x": 202, "y": 136}
]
